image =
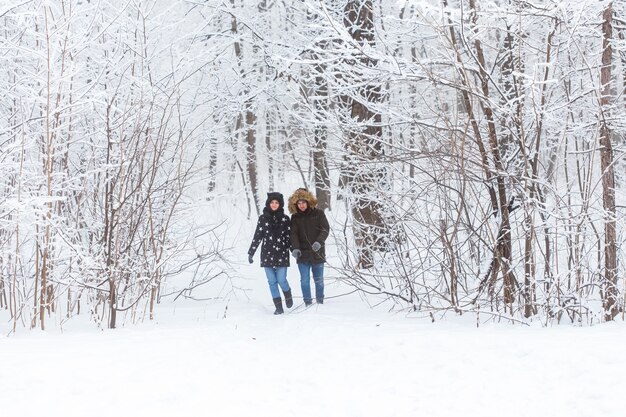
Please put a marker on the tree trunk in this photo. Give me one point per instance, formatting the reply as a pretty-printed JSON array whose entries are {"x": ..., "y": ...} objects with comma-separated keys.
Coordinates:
[
  {"x": 273, "y": 161},
  {"x": 213, "y": 144},
  {"x": 503, "y": 250},
  {"x": 250, "y": 120},
  {"x": 109, "y": 215},
  {"x": 320, "y": 164},
  {"x": 608, "y": 175},
  {"x": 251, "y": 156},
  {"x": 364, "y": 143}
]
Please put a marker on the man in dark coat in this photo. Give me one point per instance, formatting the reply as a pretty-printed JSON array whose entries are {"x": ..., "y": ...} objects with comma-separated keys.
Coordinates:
[
  {"x": 273, "y": 230},
  {"x": 309, "y": 230}
]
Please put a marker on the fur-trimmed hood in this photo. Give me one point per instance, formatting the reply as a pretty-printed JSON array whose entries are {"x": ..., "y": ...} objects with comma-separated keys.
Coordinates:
[{"x": 301, "y": 194}]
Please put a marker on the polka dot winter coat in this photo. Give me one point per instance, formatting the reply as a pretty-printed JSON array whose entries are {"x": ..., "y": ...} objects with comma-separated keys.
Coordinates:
[{"x": 274, "y": 230}]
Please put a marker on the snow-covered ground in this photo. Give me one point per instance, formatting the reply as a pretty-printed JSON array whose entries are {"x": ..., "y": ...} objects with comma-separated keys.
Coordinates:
[
  {"x": 232, "y": 357},
  {"x": 336, "y": 359}
]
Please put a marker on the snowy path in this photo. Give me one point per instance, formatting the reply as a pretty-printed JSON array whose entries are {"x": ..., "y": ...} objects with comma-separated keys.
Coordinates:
[{"x": 339, "y": 359}]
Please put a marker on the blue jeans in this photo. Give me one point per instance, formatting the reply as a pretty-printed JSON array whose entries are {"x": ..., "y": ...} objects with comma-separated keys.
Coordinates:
[
  {"x": 305, "y": 281},
  {"x": 277, "y": 275}
]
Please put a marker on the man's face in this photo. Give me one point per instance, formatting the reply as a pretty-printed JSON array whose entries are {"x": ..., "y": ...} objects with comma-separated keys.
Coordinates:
[{"x": 303, "y": 205}]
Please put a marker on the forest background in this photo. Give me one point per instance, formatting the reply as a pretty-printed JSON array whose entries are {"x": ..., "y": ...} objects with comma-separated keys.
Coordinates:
[{"x": 469, "y": 154}]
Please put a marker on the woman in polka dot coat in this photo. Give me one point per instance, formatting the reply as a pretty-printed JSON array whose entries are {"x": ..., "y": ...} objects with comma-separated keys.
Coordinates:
[{"x": 273, "y": 234}]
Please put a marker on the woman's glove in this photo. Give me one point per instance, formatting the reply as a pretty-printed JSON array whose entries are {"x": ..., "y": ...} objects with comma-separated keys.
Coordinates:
[
  {"x": 296, "y": 253},
  {"x": 316, "y": 246},
  {"x": 250, "y": 259}
]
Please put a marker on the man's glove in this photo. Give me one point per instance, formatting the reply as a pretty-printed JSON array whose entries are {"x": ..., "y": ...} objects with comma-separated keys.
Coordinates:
[
  {"x": 250, "y": 259},
  {"x": 316, "y": 246},
  {"x": 296, "y": 253}
]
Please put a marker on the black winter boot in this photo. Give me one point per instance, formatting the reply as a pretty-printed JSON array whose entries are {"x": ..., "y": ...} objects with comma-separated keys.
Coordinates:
[
  {"x": 288, "y": 298},
  {"x": 278, "y": 302}
]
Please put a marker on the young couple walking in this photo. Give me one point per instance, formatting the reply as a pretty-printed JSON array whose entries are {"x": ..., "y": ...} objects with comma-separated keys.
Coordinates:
[{"x": 304, "y": 234}]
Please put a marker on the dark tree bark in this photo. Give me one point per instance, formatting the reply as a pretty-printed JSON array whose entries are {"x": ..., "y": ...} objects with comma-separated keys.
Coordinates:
[
  {"x": 364, "y": 144},
  {"x": 250, "y": 122},
  {"x": 608, "y": 174},
  {"x": 251, "y": 155},
  {"x": 502, "y": 252},
  {"x": 320, "y": 163}
]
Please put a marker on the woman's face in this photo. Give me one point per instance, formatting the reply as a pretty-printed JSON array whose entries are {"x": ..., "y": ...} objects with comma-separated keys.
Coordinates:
[
  {"x": 274, "y": 204},
  {"x": 303, "y": 205}
]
